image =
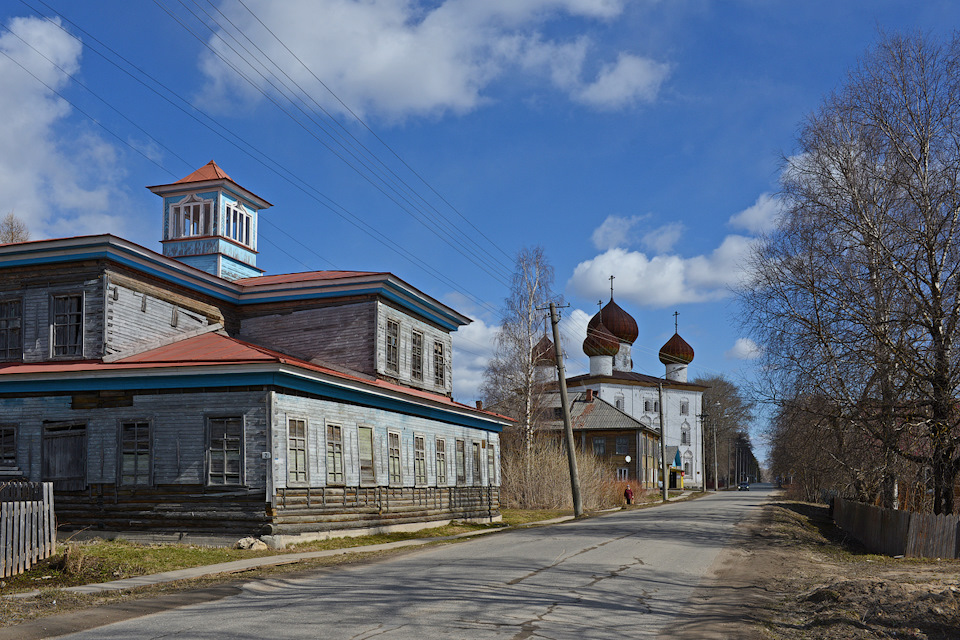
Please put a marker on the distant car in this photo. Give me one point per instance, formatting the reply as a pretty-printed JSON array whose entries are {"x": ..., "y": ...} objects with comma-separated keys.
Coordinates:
[{"x": 744, "y": 486}]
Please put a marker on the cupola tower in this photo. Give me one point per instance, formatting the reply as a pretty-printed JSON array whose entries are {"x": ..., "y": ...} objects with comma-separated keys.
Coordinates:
[
  {"x": 676, "y": 354},
  {"x": 210, "y": 222}
]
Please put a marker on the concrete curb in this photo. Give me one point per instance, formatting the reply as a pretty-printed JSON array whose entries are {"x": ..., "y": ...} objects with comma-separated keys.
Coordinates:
[{"x": 237, "y": 566}]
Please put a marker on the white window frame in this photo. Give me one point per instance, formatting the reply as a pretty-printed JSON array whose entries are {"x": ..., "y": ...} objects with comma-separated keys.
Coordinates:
[
  {"x": 394, "y": 459},
  {"x": 295, "y": 445},
  {"x": 419, "y": 459},
  {"x": 336, "y": 472},
  {"x": 200, "y": 226},
  {"x": 211, "y": 453},
  {"x": 441, "y": 453},
  {"x": 373, "y": 455},
  {"x": 237, "y": 224}
]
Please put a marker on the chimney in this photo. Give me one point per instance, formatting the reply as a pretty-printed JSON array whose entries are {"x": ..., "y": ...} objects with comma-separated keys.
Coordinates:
[
  {"x": 480, "y": 405},
  {"x": 589, "y": 395}
]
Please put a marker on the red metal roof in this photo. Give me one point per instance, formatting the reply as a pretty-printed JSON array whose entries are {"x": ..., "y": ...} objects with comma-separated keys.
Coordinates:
[
  {"x": 212, "y": 348},
  {"x": 306, "y": 276},
  {"x": 209, "y": 171}
]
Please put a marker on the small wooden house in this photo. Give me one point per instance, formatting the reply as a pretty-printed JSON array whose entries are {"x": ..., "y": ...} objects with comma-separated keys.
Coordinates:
[{"x": 187, "y": 392}]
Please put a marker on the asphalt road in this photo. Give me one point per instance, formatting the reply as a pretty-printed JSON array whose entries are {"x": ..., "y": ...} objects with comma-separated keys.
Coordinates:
[{"x": 622, "y": 575}]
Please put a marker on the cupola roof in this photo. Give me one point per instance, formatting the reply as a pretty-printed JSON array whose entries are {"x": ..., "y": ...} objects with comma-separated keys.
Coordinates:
[
  {"x": 600, "y": 340},
  {"x": 676, "y": 351},
  {"x": 543, "y": 353},
  {"x": 617, "y": 321}
]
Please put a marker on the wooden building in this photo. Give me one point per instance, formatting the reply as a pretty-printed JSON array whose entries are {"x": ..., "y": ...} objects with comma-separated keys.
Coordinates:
[
  {"x": 630, "y": 446},
  {"x": 189, "y": 393}
]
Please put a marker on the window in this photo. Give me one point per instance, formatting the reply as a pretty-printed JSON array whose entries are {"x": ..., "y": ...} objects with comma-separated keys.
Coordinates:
[
  {"x": 558, "y": 413},
  {"x": 192, "y": 217},
  {"x": 8, "y": 445},
  {"x": 599, "y": 446},
  {"x": 334, "y": 454},
  {"x": 419, "y": 460},
  {"x": 365, "y": 446},
  {"x": 416, "y": 355},
  {"x": 476, "y": 463},
  {"x": 11, "y": 338},
  {"x": 619, "y": 404},
  {"x": 623, "y": 445},
  {"x": 441, "y": 461},
  {"x": 461, "y": 463},
  {"x": 623, "y": 474},
  {"x": 491, "y": 465},
  {"x": 686, "y": 468},
  {"x": 296, "y": 451},
  {"x": 439, "y": 364},
  {"x": 393, "y": 346},
  {"x": 68, "y": 325},
  {"x": 236, "y": 224},
  {"x": 685, "y": 435},
  {"x": 393, "y": 445},
  {"x": 225, "y": 451},
  {"x": 135, "y": 453},
  {"x": 648, "y": 405},
  {"x": 685, "y": 408}
]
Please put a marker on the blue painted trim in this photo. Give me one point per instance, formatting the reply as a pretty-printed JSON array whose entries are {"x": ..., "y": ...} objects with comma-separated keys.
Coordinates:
[{"x": 254, "y": 378}]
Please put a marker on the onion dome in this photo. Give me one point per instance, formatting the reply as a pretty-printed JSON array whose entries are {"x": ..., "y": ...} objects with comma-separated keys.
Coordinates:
[
  {"x": 600, "y": 341},
  {"x": 676, "y": 351},
  {"x": 543, "y": 353},
  {"x": 617, "y": 321}
]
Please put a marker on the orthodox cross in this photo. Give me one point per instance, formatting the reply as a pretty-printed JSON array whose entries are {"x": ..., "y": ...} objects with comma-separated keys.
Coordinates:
[
  {"x": 611, "y": 287},
  {"x": 675, "y": 324}
]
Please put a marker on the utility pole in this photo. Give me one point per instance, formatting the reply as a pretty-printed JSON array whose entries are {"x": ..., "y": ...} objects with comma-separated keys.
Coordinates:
[
  {"x": 663, "y": 444},
  {"x": 567, "y": 427}
]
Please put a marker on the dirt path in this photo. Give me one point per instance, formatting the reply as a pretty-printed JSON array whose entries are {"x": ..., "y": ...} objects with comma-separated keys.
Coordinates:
[{"x": 793, "y": 575}]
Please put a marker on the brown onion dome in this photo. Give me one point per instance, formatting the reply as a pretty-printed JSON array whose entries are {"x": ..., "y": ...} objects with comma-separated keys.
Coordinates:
[
  {"x": 543, "y": 352},
  {"x": 617, "y": 321},
  {"x": 600, "y": 341},
  {"x": 676, "y": 351}
]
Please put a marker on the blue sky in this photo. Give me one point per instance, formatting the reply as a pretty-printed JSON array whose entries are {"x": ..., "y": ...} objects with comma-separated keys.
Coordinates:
[{"x": 638, "y": 138}]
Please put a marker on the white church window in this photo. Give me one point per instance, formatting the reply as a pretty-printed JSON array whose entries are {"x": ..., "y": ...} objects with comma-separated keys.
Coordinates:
[
  {"x": 237, "y": 223},
  {"x": 191, "y": 217},
  {"x": 685, "y": 435},
  {"x": 685, "y": 408}
]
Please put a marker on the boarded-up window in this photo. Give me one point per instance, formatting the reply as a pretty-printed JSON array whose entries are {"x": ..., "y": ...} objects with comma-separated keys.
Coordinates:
[
  {"x": 8, "y": 445},
  {"x": 68, "y": 325},
  {"x": 439, "y": 364},
  {"x": 441, "y": 461},
  {"x": 11, "y": 336},
  {"x": 393, "y": 346},
  {"x": 461, "y": 463},
  {"x": 491, "y": 465},
  {"x": 334, "y": 454},
  {"x": 476, "y": 462},
  {"x": 365, "y": 446},
  {"x": 623, "y": 445},
  {"x": 135, "y": 453},
  {"x": 296, "y": 451},
  {"x": 419, "y": 460},
  {"x": 65, "y": 456},
  {"x": 416, "y": 355},
  {"x": 599, "y": 446},
  {"x": 225, "y": 451},
  {"x": 393, "y": 456}
]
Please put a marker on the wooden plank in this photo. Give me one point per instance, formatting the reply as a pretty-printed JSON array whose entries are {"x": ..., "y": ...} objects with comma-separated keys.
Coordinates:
[{"x": 4, "y": 539}]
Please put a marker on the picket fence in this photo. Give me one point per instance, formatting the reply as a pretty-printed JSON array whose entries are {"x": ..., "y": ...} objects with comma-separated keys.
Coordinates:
[
  {"x": 28, "y": 528},
  {"x": 899, "y": 533}
]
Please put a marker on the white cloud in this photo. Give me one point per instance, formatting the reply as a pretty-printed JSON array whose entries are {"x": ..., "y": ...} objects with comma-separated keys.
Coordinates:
[
  {"x": 473, "y": 346},
  {"x": 630, "y": 80},
  {"x": 664, "y": 280},
  {"x": 398, "y": 59},
  {"x": 573, "y": 331},
  {"x": 60, "y": 179},
  {"x": 744, "y": 349},
  {"x": 615, "y": 231},
  {"x": 662, "y": 239},
  {"x": 760, "y": 217}
]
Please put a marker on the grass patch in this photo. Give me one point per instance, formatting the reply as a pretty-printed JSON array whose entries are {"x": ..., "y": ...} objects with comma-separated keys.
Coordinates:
[{"x": 515, "y": 517}]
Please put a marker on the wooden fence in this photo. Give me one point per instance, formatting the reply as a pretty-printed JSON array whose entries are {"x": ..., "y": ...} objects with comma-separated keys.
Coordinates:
[
  {"x": 895, "y": 533},
  {"x": 28, "y": 531}
]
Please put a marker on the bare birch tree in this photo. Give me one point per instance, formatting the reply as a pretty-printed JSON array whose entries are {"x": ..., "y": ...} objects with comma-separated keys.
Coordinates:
[
  {"x": 13, "y": 229},
  {"x": 511, "y": 383},
  {"x": 857, "y": 294}
]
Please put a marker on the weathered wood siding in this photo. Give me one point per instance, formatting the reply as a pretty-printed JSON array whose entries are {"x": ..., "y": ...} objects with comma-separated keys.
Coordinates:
[
  {"x": 338, "y": 334},
  {"x": 431, "y": 334},
  {"x": 139, "y": 314},
  {"x": 36, "y": 288},
  {"x": 319, "y": 413}
]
